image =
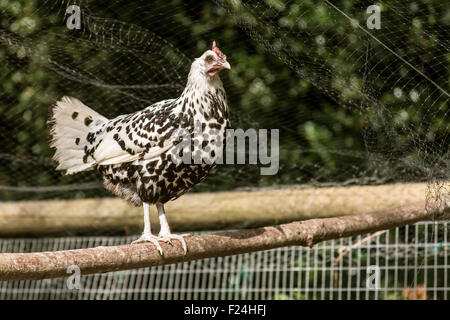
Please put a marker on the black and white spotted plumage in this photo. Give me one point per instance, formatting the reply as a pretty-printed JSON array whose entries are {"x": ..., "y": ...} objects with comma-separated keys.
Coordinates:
[{"x": 133, "y": 151}]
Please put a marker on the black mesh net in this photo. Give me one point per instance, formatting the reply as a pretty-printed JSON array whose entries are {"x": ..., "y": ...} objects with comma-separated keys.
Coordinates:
[{"x": 353, "y": 105}]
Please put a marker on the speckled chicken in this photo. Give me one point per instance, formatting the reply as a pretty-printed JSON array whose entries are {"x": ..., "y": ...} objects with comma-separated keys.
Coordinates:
[{"x": 136, "y": 153}]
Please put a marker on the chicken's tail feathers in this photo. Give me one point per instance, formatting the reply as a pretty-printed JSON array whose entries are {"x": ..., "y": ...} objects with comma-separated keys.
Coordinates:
[{"x": 70, "y": 122}]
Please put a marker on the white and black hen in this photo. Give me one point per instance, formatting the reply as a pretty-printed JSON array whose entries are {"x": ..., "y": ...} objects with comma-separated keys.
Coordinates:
[{"x": 134, "y": 152}]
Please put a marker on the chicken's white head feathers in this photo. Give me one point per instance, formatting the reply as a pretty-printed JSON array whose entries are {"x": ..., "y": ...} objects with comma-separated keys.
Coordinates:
[{"x": 209, "y": 64}]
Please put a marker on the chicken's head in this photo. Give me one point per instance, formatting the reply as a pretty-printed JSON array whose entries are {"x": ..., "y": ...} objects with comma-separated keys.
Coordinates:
[{"x": 213, "y": 61}]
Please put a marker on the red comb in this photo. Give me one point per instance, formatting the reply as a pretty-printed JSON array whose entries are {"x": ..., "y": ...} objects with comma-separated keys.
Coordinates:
[{"x": 217, "y": 51}]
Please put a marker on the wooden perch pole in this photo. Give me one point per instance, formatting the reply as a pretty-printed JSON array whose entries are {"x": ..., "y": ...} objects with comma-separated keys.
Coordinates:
[
  {"x": 203, "y": 211},
  {"x": 22, "y": 266}
]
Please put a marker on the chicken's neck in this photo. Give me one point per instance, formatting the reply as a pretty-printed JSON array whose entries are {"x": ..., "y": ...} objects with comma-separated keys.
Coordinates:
[
  {"x": 202, "y": 84},
  {"x": 204, "y": 97}
]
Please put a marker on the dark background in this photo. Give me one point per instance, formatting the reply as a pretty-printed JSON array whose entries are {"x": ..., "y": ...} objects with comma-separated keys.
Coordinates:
[{"x": 353, "y": 107}]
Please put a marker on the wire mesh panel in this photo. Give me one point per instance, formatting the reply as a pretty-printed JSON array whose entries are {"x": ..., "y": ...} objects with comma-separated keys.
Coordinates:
[{"x": 403, "y": 263}]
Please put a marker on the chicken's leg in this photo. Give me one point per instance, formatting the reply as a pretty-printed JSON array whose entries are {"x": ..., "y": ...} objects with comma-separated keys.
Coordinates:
[
  {"x": 165, "y": 234},
  {"x": 147, "y": 235}
]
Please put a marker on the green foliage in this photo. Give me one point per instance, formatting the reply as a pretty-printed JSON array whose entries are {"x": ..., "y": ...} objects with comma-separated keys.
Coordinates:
[{"x": 346, "y": 107}]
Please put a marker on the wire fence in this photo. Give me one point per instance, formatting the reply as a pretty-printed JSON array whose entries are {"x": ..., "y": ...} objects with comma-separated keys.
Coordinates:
[{"x": 403, "y": 263}]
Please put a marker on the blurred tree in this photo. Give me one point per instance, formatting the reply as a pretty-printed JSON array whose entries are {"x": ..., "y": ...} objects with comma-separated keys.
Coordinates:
[{"x": 348, "y": 109}]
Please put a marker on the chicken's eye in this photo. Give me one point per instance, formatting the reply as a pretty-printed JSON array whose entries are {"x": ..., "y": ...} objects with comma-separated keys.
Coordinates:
[{"x": 209, "y": 59}]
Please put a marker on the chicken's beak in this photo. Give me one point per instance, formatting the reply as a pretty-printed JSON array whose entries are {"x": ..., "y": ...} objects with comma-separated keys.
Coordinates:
[
  {"x": 218, "y": 66},
  {"x": 226, "y": 65}
]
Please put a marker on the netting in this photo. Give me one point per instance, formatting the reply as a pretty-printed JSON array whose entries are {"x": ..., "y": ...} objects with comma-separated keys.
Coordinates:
[
  {"x": 412, "y": 263},
  {"x": 353, "y": 105}
]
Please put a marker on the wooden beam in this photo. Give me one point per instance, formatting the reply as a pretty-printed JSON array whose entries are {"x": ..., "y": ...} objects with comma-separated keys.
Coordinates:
[{"x": 203, "y": 211}]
